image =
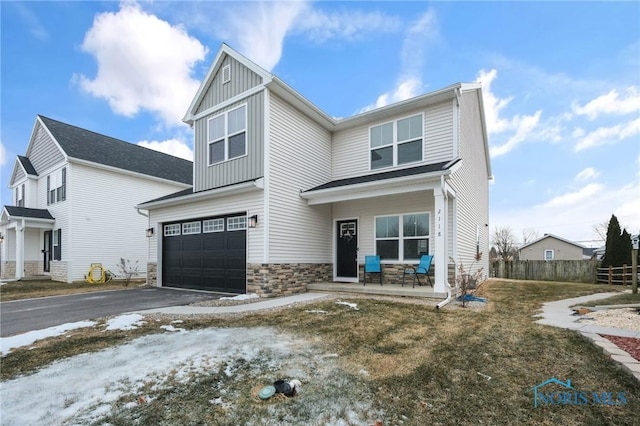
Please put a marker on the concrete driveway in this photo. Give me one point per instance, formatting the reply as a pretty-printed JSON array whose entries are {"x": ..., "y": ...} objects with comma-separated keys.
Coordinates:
[{"x": 21, "y": 316}]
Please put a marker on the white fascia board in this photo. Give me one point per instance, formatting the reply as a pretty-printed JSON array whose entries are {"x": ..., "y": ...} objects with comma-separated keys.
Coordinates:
[
  {"x": 374, "y": 189},
  {"x": 189, "y": 117},
  {"x": 239, "y": 188},
  {"x": 228, "y": 102},
  {"x": 127, "y": 172}
]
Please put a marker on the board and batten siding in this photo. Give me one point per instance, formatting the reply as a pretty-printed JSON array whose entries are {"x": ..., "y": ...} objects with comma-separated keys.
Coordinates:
[
  {"x": 351, "y": 146},
  {"x": 300, "y": 159},
  {"x": 471, "y": 183},
  {"x": 250, "y": 203},
  {"x": 250, "y": 166},
  {"x": 44, "y": 152},
  {"x": 103, "y": 225},
  {"x": 242, "y": 79},
  {"x": 368, "y": 208}
]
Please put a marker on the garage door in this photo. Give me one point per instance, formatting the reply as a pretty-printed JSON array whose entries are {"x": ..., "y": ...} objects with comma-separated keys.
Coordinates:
[{"x": 206, "y": 254}]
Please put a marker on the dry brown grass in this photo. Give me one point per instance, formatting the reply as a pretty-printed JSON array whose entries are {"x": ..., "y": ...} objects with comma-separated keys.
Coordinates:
[
  {"x": 418, "y": 365},
  {"x": 16, "y": 290}
]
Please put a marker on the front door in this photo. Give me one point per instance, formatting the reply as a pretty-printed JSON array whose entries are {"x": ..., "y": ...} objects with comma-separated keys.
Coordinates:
[
  {"x": 347, "y": 250},
  {"x": 46, "y": 251}
]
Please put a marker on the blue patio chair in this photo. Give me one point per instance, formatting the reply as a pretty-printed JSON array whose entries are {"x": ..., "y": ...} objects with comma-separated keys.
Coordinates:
[
  {"x": 422, "y": 269},
  {"x": 372, "y": 266}
]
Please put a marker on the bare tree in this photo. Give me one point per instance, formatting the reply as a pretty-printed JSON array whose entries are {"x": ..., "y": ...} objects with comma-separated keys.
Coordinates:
[
  {"x": 601, "y": 230},
  {"x": 529, "y": 234},
  {"x": 505, "y": 242}
]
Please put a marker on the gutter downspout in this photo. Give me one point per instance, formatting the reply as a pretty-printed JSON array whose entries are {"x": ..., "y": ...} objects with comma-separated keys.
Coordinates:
[{"x": 449, "y": 293}]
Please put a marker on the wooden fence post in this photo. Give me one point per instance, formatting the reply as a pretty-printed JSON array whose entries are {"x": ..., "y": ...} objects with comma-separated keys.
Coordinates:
[
  {"x": 610, "y": 273},
  {"x": 634, "y": 271},
  {"x": 624, "y": 275}
]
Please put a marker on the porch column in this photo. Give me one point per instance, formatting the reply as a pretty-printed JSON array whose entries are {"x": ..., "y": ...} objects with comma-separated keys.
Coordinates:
[
  {"x": 440, "y": 256},
  {"x": 20, "y": 250}
]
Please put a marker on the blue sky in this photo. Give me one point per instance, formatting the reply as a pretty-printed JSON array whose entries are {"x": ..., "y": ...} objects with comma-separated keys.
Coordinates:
[{"x": 561, "y": 82}]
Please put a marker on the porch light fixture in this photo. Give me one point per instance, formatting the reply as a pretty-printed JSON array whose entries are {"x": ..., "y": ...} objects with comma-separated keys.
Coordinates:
[
  {"x": 253, "y": 221},
  {"x": 1, "y": 238},
  {"x": 150, "y": 232}
]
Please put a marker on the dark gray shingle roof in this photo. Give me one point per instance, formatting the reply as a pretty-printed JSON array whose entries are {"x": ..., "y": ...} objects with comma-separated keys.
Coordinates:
[
  {"x": 427, "y": 168},
  {"x": 28, "y": 167},
  {"x": 90, "y": 146},
  {"x": 26, "y": 212}
]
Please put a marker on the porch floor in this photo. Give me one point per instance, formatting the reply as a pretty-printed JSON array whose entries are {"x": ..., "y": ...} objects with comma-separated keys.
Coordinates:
[{"x": 376, "y": 288}]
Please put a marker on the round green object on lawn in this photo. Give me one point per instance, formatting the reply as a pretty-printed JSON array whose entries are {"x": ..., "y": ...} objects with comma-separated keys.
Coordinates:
[{"x": 267, "y": 392}]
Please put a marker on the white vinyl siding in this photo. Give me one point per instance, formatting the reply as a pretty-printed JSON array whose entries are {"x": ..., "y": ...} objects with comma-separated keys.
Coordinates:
[
  {"x": 470, "y": 181},
  {"x": 351, "y": 147},
  {"x": 103, "y": 225},
  {"x": 366, "y": 210},
  {"x": 43, "y": 152},
  {"x": 300, "y": 158}
]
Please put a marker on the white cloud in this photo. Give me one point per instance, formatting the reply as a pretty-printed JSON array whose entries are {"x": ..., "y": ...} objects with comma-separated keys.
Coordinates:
[
  {"x": 524, "y": 126},
  {"x": 173, "y": 147},
  {"x": 492, "y": 104},
  {"x": 572, "y": 198},
  {"x": 144, "y": 63},
  {"x": 420, "y": 35},
  {"x": 3, "y": 155},
  {"x": 606, "y": 135},
  {"x": 321, "y": 26},
  {"x": 31, "y": 21},
  {"x": 587, "y": 174},
  {"x": 610, "y": 103}
]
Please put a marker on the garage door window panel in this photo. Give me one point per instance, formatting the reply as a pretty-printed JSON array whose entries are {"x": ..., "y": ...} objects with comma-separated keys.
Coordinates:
[
  {"x": 237, "y": 223},
  {"x": 190, "y": 228},
  {"x": 172, "y": 230},
  {"x": 213, "y": 225}
]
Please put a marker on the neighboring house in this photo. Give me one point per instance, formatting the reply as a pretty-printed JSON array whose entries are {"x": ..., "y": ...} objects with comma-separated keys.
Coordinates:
[
  {"x": 551, "y": 247},
  {"x": 74, "y": 193},
  {"x": 285, "y": 195}
]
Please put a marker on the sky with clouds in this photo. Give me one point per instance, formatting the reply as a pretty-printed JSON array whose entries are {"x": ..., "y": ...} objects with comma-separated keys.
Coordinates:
[{"x": 561, "y": 82}]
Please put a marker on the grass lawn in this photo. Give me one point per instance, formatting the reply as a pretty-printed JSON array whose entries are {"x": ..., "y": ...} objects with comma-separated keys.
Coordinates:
[
  {"x": 619, "y": 299},
  {"x": 15, "y": 290},
  {"x": 409, "y": 362}
]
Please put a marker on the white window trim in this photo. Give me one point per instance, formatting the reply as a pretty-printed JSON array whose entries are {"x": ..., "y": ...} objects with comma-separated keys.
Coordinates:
[
  {"x": 553, "y": 254},
  {"x": 394, "y": 144},
  {"x": 169, "y": 226},
  {"x": 213, "y": 225},
  {"x": 227, "y": 136},
  {"x": 400, "y": 238},
  {"x": 192, "y": 231},
  {"x": 232, "y": 228}
]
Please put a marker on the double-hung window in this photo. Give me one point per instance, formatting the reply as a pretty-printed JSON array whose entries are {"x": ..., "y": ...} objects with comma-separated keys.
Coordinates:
[
  {"x": 397, "y": 142},
  {"x": 57, "y": 186},
  {"x": 227, "y": 135},
  {"x": 402, "y": 237},
  {"x": 548, "y": 254}
]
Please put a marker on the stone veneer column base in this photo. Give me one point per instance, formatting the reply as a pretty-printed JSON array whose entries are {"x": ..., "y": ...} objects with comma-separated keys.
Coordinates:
[
  {"x": 58, "y": 271},
  {"x": 284, "y": 279},
  {"x": 152, "y": 274},
  {"x": 8, "y": 269}
]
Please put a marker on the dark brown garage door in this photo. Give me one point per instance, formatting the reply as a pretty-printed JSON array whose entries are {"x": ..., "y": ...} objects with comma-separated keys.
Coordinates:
[{"x": 206, "y": 254}]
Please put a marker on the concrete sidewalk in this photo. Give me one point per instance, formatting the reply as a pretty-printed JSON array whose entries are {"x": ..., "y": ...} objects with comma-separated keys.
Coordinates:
[
  {"x": 559, "y": 314},
  {"x": 276, "y": 302}
]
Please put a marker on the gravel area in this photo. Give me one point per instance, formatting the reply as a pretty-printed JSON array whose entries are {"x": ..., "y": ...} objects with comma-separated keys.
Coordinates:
[{"x": 625, "y": 318}]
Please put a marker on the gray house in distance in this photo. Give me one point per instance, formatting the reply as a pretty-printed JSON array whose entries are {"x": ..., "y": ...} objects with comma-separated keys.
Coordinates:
[{"x": 551, "y": 247}]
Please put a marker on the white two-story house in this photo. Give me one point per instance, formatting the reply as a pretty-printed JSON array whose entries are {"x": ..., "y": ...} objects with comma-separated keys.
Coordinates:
[
  {"x": 74, "y": 193},
  {"x": 285, "y": 195}
]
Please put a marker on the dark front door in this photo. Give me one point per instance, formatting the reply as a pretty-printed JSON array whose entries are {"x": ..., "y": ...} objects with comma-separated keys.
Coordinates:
[
  {"x": 46, "y": 251},
  {"x": 347, "y": 249}
]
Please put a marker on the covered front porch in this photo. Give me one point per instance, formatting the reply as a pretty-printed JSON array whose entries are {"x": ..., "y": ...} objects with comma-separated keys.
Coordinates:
[
  {"x": 398, "y": 216},
  {"x": 26, "y": 242}
]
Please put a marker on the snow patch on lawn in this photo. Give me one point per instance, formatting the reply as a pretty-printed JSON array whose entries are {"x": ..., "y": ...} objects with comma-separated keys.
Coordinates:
[
  {"x": 26, "y": 339},
  {"x": 125, "y": 322},
  {"x": 353, "y": 306},
  {"x": 241, "y": 297}
]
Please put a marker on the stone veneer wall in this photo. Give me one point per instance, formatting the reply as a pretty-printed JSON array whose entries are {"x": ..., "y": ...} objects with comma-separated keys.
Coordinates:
[
  {"x": 8, "y": 269},
  {"x": 58, "y": 271},
  {"x": 152, "y": 274},
  {"x": 33, "y": 267},
  {"x": 270, "y": 280}
]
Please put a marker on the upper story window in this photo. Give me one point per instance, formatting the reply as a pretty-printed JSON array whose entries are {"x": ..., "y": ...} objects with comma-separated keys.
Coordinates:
[
  {"x": 548, "y": 254},
  {"x": 57, "y": 186},
  {"x": 227, "y": 135},
  {"x": 397, "y": 142},
  {"x": 20, "y": 195}
]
